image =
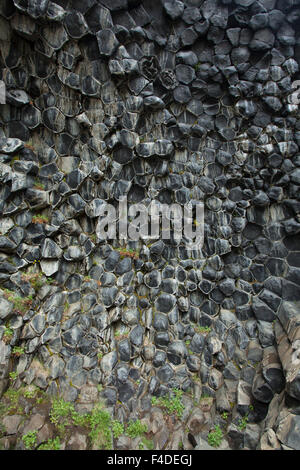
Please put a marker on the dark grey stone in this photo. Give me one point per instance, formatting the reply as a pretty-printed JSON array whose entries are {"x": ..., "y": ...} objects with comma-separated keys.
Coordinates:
[
  {"x": 165, "y": 303},
  {"x": 159, "y": 358},
  {"x": 153, "y": 102},
  {"x": 126, "y": 391},
  {"x": 137, "y": 335},
  {"x": 54, "y": 120},
  {"x": 193, "y": 363},
  {"x": 123, "y": 155},
  {"x": 160, "y": 322},
  {"x": 187, "y": 57},
  {"x": 182, "y": 94},
  {"x": 227, "y": 286},
  {"x": 261, "y": 390},
  {"x": 10, "y": 145},
  {"x": 201, "y": 27},
  {"x": 185, "y": 74},
  {"x": 75, "y": 24},
  {"x": 51, "y": 250},
  {"x": 36, "y": 8},
  {"x": 174, "y": 9},
  {"x": 109, "y": 295},
  {"x": 124, "y": 349},
  {"x": 262, "y": 40},
  {"x": 235, "y": 437},
  {"x": 176, "y": 352},
  {"x": 197, "y": 343},
  {"x": 107, "y": 42},
  {"x": 165, "y": 373},
  {"x": 161, "y": 339},
  {"x": 262, "y": 311}
]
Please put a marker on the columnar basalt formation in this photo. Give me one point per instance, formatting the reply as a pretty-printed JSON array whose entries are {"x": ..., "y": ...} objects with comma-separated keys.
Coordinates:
[{"x": 169, "y": 101}]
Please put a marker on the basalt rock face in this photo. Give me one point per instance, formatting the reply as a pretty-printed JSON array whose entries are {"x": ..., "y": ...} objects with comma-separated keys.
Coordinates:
[{"x": 166, "y": 101}]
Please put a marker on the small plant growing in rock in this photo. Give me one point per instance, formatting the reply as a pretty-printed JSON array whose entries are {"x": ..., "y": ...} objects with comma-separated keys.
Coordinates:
[
  {"x": 224, "y": 415},
  {"x": 100, "y": 424},
  {"x": 60, "y": 413},
  {"x": 38, "y": 185},
  {"x": 215, "y": 437},
  {"x": 128, "y": 253},
  {"x": 63, "y": 414},
  {"x": 29, "y": 144},
  {"x": 204, "y": 396},
  {"x": 35, "y": 279},
  {"x": 40, "y": 219},
  {"x": 15, "y": 159},
  {"x": 13, "y": 375},
  {"x": 173, "y": 405},
  {"x": 11, "y": 397},
  {"x": 30, "y": 392},
  {"x": 29, "y": 439},
  {"x": 117, "y": 429},
  {"x": 203, "y": 329},
  {"x": 18, "y": 351},
  {"x": 136, "y": 429},
  {"x": 243, "y": 422},
  {"x": 51, "y": 444},
  {"x": 147, "y": 443},
  {"x": 21, "y": 304},
  {"x": 100, "y": 355},
  {"x": 78, "y": 419},
  {"x": 7, "y": 335}
]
